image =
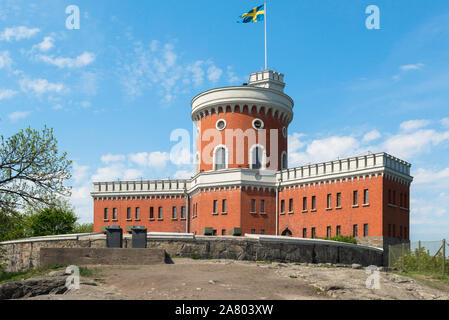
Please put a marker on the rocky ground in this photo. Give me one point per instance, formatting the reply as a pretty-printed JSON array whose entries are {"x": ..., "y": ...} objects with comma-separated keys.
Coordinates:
[{"x": 230, "y": 279}]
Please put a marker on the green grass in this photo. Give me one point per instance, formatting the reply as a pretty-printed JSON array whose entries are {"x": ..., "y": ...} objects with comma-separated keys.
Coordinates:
[
  {"x": 340, "y": 238},
  {"x": 432, "y": 280},
  {"x": 19, "y": 276}
]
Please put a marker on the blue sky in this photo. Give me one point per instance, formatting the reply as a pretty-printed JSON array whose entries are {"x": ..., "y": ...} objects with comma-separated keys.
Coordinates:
[{"x": 115, "y": 89}]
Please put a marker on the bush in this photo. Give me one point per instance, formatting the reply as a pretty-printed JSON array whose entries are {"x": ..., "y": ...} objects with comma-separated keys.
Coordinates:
[
  {"x": 340, "y": 238},
  {"x": 83, "y": 228},
  {"x": 422, "y": 261},
  {"x": 52, "y": 221}
]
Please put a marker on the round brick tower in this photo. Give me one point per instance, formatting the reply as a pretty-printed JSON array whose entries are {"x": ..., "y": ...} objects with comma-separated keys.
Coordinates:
[{"x": 243, "y": 126}]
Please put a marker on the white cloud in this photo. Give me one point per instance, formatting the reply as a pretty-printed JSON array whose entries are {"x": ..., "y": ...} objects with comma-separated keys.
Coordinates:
[
  {"x": 414, "y": 124},
  {"x": 371, "y": 136},
  {"x": 40, "y": 86},
  {"x": 183, "y": 174},
  {"x": 214, "y": 73},
  {"x": 108, "y": 158},
  {"x": 7, "y": 94},
  {"x": 436, "y": 178},
  {"x": 18, "y": 33},
  {"x": 82, "y": 60},
  {"x": 154, "y": 160},
  {"x": 5, "y": 60},
  {"x": 45, "y": 45},
  {"x": 406, "y": 145},
  {"x": 445, "y": 122},
  {"x": 409, "y": 67},
  {"x": 19, "y": 115},
  {"x": 157, "y": 66},
  {"x": 232, "y": 78},
  {"x": 116, "y": 171},
  {"x": 321, "y": 150},
  {"x": 79, "y": 172}
]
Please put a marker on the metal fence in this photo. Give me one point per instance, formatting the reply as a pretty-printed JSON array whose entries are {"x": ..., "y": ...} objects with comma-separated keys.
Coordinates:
[{"x": 422, "y": 256}]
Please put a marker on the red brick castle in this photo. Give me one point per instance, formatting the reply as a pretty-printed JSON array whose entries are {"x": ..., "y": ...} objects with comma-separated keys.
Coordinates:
[{"x": 243, "y": 183}]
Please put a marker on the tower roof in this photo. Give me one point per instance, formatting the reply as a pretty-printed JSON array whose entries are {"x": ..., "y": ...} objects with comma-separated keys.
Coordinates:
[{"x": 267, "y": 79}]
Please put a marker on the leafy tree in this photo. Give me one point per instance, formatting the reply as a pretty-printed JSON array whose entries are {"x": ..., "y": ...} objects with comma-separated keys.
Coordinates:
[
  {"x": 52, "y": 221},
  {"x": 32, "y": 170},
  {"x": 83, "y": 228},
  {"x": 14, "y": 225}
]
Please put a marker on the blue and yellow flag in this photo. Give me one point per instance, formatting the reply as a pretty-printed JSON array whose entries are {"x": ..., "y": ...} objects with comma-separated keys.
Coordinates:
[{"x": 254, "y": 15}]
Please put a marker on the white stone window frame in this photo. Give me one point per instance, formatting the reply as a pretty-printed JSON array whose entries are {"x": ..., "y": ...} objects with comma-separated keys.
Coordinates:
[
  {"x": 214, "y": 160},
  {"x": 257, "y": 119},
  {"x": 218, "y": 121},
  {"x": 264, "y": 156}
]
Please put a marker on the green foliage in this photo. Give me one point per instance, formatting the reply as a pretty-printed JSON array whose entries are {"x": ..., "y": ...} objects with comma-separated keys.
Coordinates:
[
  {"x": 421, "y": 260},
  {"x": 32, "y": 170},
  {"x": 195, "y": 256},
  {"x": 341, "y": 238},
  {"x": 14, "y": 225},
  {"x": 52, "y": 221},
  {"x": 83, "y": 228}
]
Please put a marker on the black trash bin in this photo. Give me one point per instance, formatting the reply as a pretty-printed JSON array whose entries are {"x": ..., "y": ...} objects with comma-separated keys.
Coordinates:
[
  {"x": 139, "y": 237},
  {"x": 114, "y": 237}
]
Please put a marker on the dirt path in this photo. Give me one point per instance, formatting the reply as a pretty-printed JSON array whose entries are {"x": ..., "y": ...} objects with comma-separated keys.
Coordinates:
[{"x": 228, "y": 279}]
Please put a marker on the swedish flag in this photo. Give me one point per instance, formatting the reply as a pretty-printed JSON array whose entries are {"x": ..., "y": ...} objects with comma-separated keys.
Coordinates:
[{"x": 254, "y": 15}]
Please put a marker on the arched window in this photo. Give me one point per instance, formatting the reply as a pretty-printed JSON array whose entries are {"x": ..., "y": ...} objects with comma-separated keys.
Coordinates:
[
  {"x": 220, "y": 155},
  {"x": 257, "y": 157},
  {"x": 284, "y": 164}
]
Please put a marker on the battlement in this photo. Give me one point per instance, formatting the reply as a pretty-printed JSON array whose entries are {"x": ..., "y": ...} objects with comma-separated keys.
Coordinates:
[{"x": 267, "y": 79}]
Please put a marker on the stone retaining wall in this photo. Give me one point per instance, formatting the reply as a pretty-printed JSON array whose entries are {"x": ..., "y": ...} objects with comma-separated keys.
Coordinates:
[{"x": 22, "y": 255}]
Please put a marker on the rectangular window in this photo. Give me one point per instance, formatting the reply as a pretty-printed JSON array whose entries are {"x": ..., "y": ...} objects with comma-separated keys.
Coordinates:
[
  {"x": 389, "y": 196},
  {"x": 338, "y": 230},
  {"x": 214, "y": 232},
  {"x": 106, "y": 214},
  {"x": 400, "y": 231},
  {"x": 400, "y": 200},
  {"x": 355, "y": 231},
  {"x": 394, "y": 230},
  {"x": 215, "y": 208},
  {"x": 365, "y": 230},
  {"x": 339, "y": 200},
  {"x": 304, "y": 204},
  {"x": 183, "y": 212},
  {"x": 173, "y": 213},
  {"x": 329, "y": 201},
  {"x": 223, "y": 232},
  {"x": 159, "y": 216},
  {"x": 313, "y": 233},
  {"x": 114, "y": 214},
  {"x": 405, "y": 233},
  {"x": 128, "y": 213},
  {"x": 137, "y": 213},
  {"x": 389, "y": 230},
  {"x": 313, "y": 202},
  {"x": 253, "y": 205},
  {"x": 262, "y": 231},
  {"x": 329, "y": 232},
  {"x": 151, "y": 213},
  {"x": 290, "y": 205},
  {"x": 365, "y": 196},
  {"x": 394, "y": 196},
  {"x": 355, "y": 198},
  {"x": 223, "y": 206},
  {"x": 282, "y": 206},
  {"x": 262, "y": 206},
  {"x": 253, "y": 231},
  {"x": 304, "y": 232}
]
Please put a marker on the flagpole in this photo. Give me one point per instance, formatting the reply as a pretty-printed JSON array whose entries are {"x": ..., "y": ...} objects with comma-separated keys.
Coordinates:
[{"x": 265, "y": 13}]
